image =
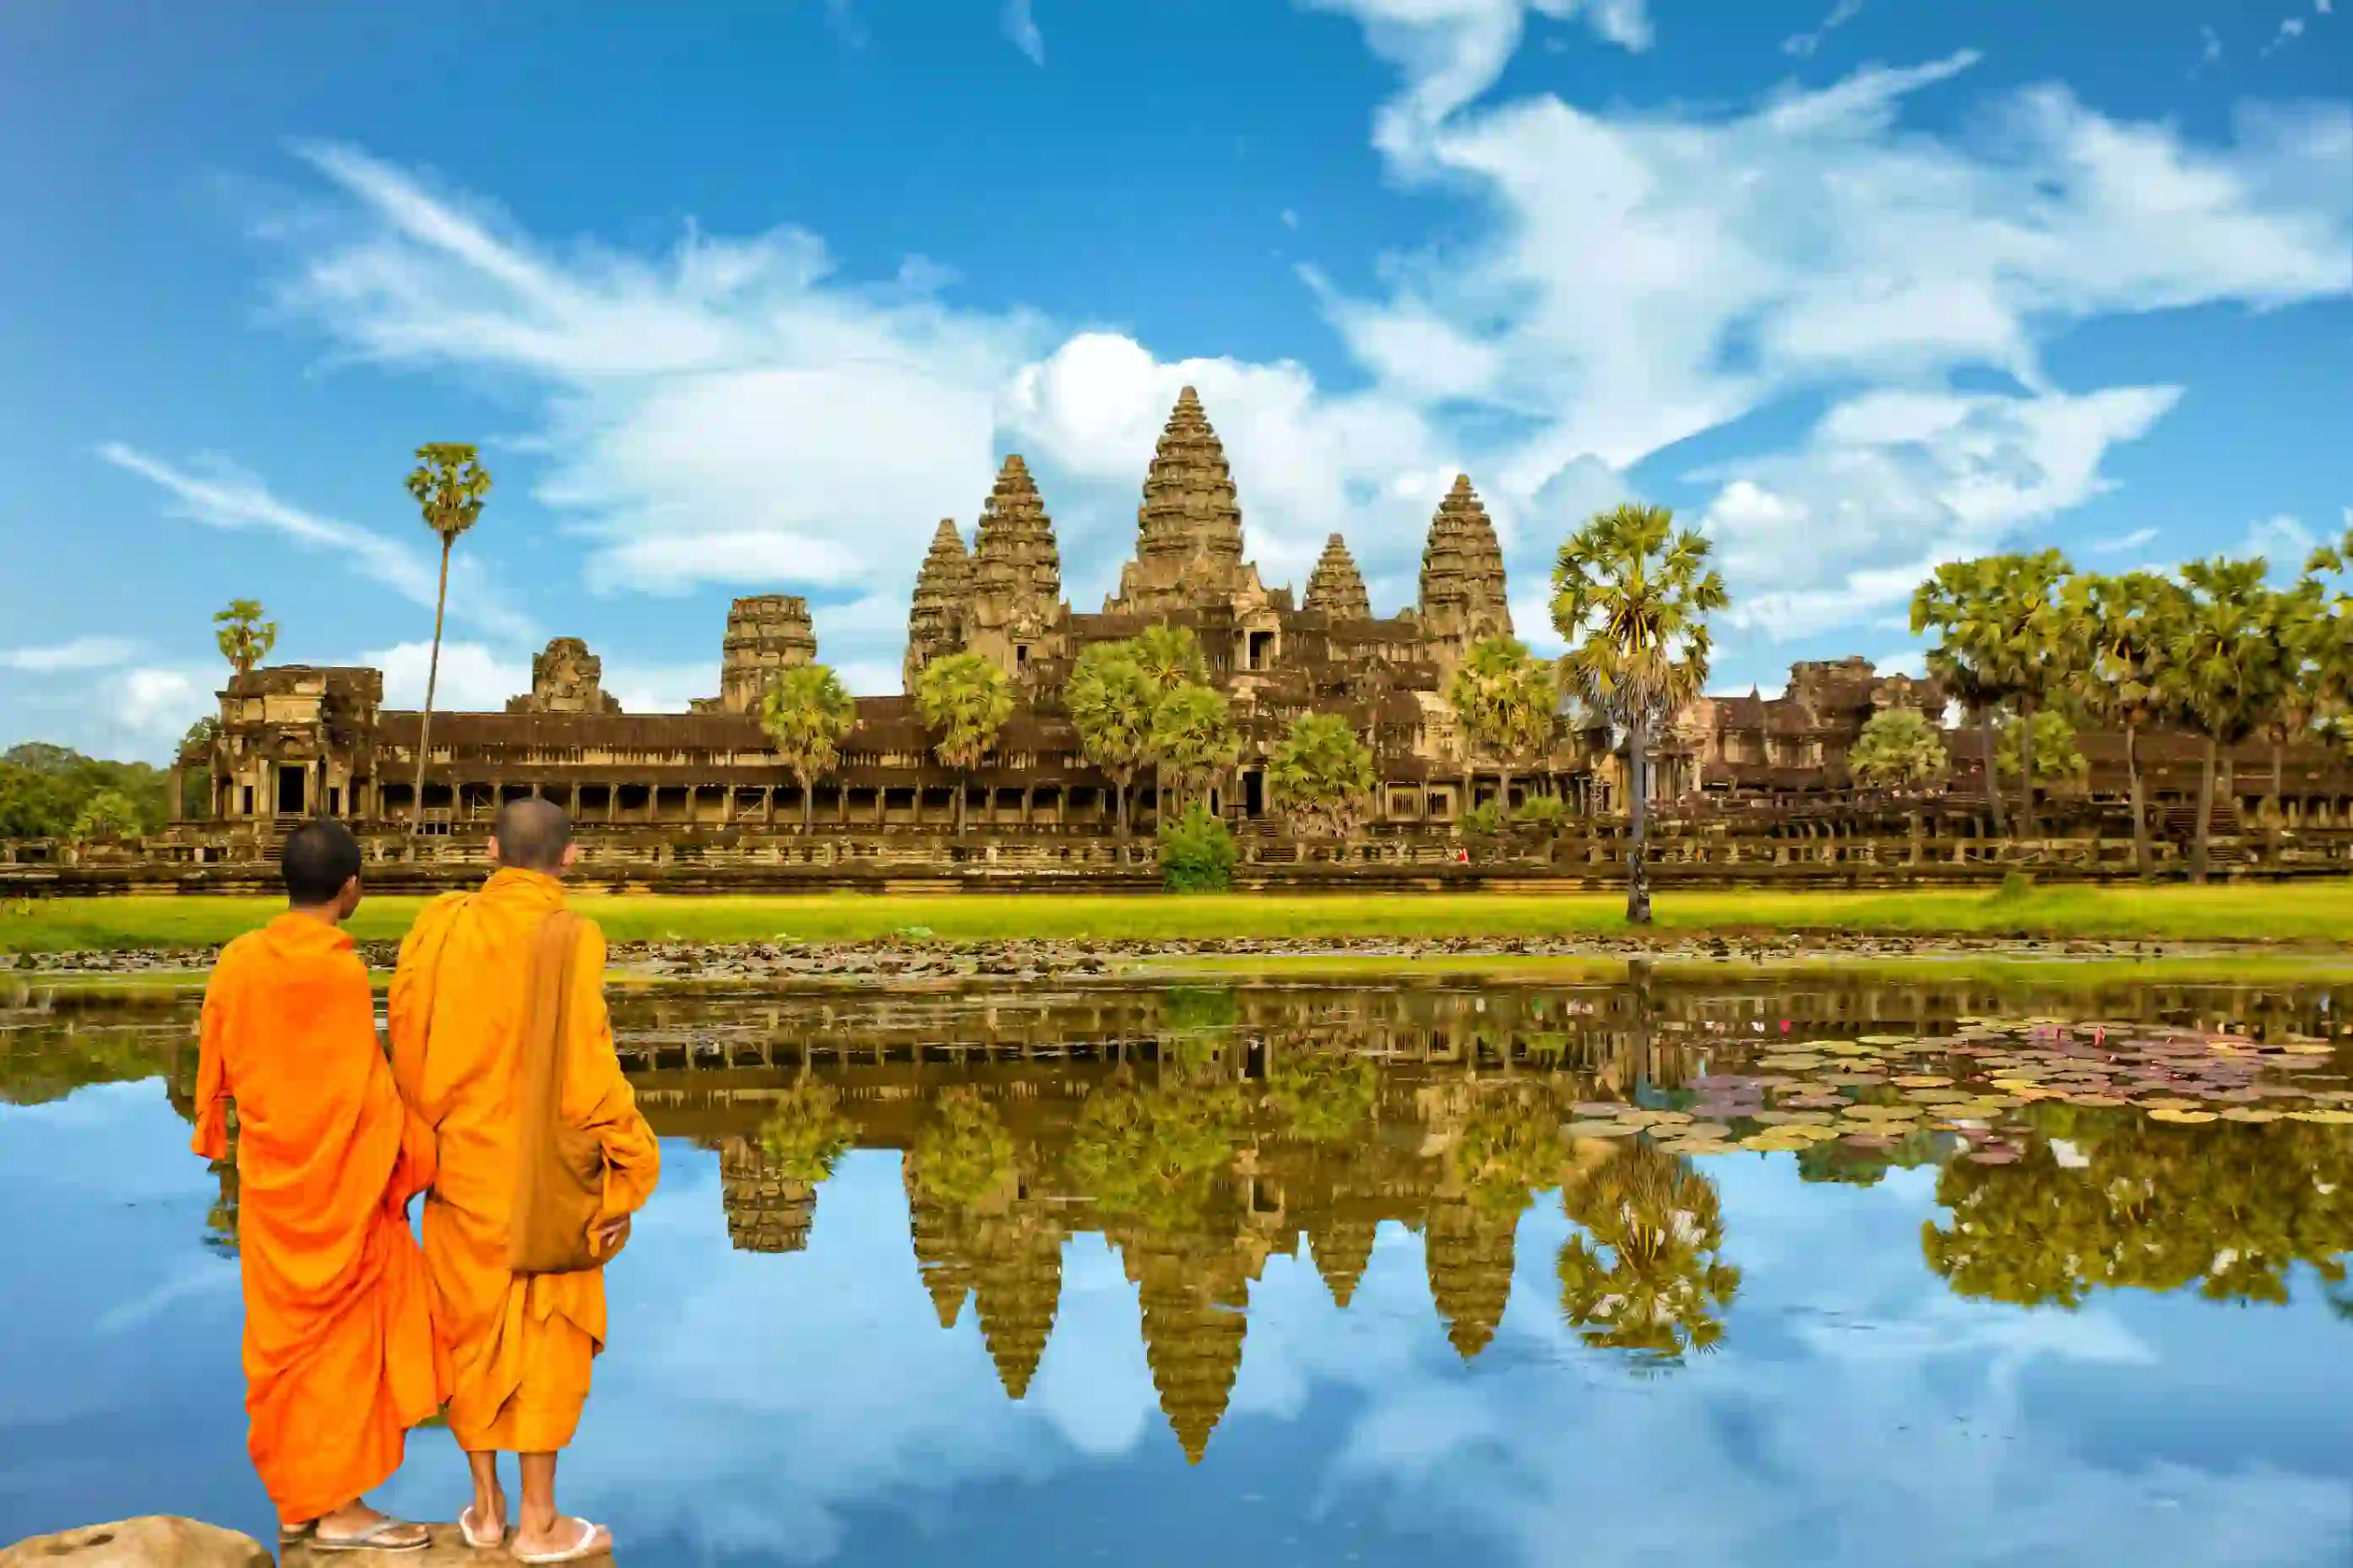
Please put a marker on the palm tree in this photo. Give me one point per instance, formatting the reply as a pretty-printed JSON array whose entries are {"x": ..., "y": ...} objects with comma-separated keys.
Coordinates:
[
  {"x": 2335, "y": 671},
  {"x": 2122, "y": 625},
  {"x": 2050, "y": 740},
  {"x": 1110, "y": 699},
  {"x": 2003, "y": 638},
  {"x": 1506, "y": 703},
  {"x": 808, "y": 713},
  {"x": 964, "y": 700},
  {"x": 1632, "y": 597},
  {"x": 1193, "y": 737},
  {"x": 449, "y": 484},
  {"x": 2220, "y": 668},
  {"x": 1170, "y": 656},
  {"x": 244, "y": 638},
  {"x": 2298, "y": 623},
  {"x": 1321, "y": 776},
  {"x": 1899, "y": 748},
  {"x": 1649, "y": 1275}
]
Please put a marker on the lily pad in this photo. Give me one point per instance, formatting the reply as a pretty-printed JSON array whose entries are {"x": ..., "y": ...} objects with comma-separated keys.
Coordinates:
[
  {"x": 2171, "y": 1113},
  {"x": 1600, "y": 1129}
]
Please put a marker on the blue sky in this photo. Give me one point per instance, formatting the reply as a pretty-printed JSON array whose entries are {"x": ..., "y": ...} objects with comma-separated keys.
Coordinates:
[{"x": 745, "y": 296}]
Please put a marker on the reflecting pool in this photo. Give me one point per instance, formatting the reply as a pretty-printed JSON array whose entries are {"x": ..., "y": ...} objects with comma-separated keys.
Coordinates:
[{"x": 1764, "y": 1271}]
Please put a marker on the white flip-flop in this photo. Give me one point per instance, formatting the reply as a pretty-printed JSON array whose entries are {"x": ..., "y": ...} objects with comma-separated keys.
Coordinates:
[
  {"x": 575, "y": 1553},
  {"x": 372, "y": 1539},
  {"x": 466, "y": 1529}
]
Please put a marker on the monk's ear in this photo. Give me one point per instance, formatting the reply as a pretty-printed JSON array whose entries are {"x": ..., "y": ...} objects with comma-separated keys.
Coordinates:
[
  {"x": 347, "y": 899},
  {"x": 491, "y": 850},
  {"x": 571, "y": 855}
]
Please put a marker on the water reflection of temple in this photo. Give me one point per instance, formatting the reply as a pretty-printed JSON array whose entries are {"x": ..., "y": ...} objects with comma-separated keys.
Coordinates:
[{"x": 1203, "y": 1133}]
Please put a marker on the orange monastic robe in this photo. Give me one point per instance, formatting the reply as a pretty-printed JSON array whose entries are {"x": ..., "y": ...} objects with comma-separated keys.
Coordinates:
[
  {"x": 519, "y": 1348},
  {"x": 340, "y": 1353}
]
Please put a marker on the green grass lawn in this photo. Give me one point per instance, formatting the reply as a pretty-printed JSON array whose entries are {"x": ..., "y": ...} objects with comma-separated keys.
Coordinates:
[{"x": 2305, "y": 913}]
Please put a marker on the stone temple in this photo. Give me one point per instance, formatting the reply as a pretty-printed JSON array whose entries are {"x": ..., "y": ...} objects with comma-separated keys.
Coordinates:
[{"x": 296, "y": 742}]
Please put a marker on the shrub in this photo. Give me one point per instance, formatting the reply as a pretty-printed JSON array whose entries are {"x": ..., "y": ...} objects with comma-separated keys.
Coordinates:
[
  {"x": 1543, "y": 813},
  {"x": 1483, "y": 821},
  {"x": 1197, "y": 853}
]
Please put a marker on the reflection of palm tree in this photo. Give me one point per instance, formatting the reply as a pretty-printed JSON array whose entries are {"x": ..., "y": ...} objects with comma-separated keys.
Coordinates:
[
  {"x": 804, "y": 1133},
  {"x": 1323, "y": 1096},
  {"x": 1648, "y": 1276}
]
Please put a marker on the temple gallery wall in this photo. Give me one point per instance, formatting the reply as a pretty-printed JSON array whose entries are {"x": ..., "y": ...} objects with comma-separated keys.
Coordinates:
[{"x": 294, "y": 742}]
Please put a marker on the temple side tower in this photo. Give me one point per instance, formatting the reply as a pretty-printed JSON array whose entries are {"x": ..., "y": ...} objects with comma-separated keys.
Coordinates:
[
  {"x": 943, "y": 599},
  {"x": 766, "y": 635},
  {"x": 1016, "y": 605},
  {"x": 1462, "y": 590},
  {"x": 1188, "y": 532},
  {"x": 565, "y": 677},
  {"x": 1335, "y": 588}
]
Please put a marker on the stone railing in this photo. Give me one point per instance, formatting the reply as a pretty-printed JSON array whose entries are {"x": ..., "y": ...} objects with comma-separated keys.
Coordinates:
[{"x": 1888, "y": 847}]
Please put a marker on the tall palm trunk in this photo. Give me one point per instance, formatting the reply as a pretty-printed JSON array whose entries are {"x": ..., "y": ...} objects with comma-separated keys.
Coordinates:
[
  {"x": 2026, "y": 770},
  {"x": 808, "y": 804},
  {"x": 964, "y": 788},
  {"x": 1119, "y": 807},
  {"x": 2273, "y": 818},
  {"x": 1637, "y": 874},
  {"x": 2205, "y": 813},
  {"x": 432, "y": 682},
  {"x": 1992, "y": 775},
  {"x": 2139, "y": 802}
]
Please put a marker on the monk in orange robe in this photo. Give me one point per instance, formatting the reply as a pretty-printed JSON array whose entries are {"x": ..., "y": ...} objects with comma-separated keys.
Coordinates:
[
  {"x": 339, "y": 1355},
  {"x": 520, "y": 1346}
]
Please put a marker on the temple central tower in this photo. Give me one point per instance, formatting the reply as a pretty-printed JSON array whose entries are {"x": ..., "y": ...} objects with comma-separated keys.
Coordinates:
[{"x": 1188, "y": 532}]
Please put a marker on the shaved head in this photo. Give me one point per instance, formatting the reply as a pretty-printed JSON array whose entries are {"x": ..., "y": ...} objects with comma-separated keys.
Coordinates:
[{"x": 532, "y": 835}]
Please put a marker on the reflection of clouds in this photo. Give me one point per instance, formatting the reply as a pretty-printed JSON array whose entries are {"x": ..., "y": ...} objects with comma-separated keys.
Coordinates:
[
  {"x": 799, "y": 1407},
  {"x": 196, "y": 1278},
  {"x": 1859, "y": 1413}
]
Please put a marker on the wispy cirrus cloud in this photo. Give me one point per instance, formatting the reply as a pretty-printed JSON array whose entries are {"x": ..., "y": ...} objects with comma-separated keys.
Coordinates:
[
  {"x": 66, "y": 658},
  {"x": 219, "y": 494},
  {"x": 1021, "y": 25},
  {"x": 1803, "y": 45}
]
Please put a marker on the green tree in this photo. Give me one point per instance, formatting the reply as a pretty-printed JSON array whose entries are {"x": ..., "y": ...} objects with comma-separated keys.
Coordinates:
[
  {"x": 449, "y": 486},
  {"x": 1170, "y": 657},
  {"x": 1647, "y": 1274},
  {"x": 1193, "y": 738},
  {"x": 1321, "y": 776},
  {"x": 35, "y": 804},
  {"x": 1632, "y": 597},
  {"x": 2050, "y": 740},
  {"x": 194, "y": 762},
  {"x": 1899, "y": 748},
  {"x": 2222, "y": 670},
  {"x": 2333, "y": 671},
  {"x": 965, "y": 700},
  {"x": 2298, "y": 623},
  {"x": 105, "y": 817},
  {"x": 1110, "y": 698},
  {"x": 1198, "y": 852},
  {"x": 1506, "y": 701},
  {"x": 808, "y": 713},
  {"x": 805, "y": 1131},
  {"x": 243, "y": 638},
  {"x": 2124, "y": 623},
  {"x": 2003, "y": 637}
]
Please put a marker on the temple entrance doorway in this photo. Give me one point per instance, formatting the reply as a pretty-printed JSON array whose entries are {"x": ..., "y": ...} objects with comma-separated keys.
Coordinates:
[
  {"x": 290, "y": 790},
  {"x": 1254, "y": 793}
]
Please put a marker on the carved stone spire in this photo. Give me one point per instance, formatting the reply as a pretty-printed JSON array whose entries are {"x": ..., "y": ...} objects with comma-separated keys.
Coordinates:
[
  {"x": 1014, "y": 555},
  {"x": 1463, "y": 588},
  {"x": 1468, "y": 1252},
  {"x": 1188, "y": 532},
  {"x": 1016, "y": 1291},
  {"x": 1014, "y": 613},
  {"x": 942, "y": 595},
  {"x": 1335, "y": 587},
  {"x": 766, "y": 634},
  {"x": 765, "y": 1213}
]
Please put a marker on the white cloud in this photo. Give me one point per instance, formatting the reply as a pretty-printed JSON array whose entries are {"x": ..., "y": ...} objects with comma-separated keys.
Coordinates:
[
  {"x": 1890, "y": 483},
  {"x": 474, "y": 678},
  {"x": 2283, "y": 541},
  {"x": 1290, "y": 218},
  {"x": 224, "y": 495},
  {"x": 80, "y": 653},
  {"x": 1803, "y": 45},
  {"x": 2290, "y": 30},
  {"x": 2209, "y": 50},
  {"x": 2123, "y": 544},
  {"x": 1022, "y": 27}
]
